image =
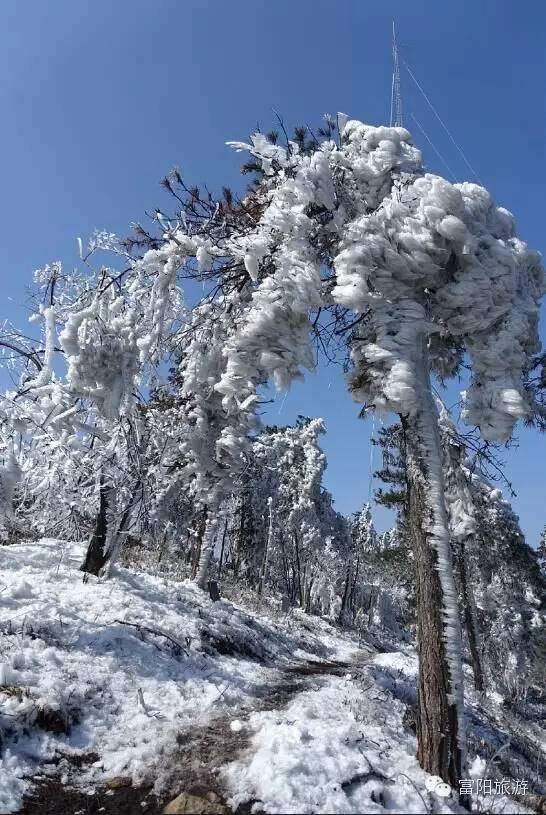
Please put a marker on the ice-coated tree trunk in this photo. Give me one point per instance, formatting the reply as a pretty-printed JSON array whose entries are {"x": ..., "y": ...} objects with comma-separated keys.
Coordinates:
[
  {"x": 440, "y": 722},
  {"x": 118, "y": 533},
  {"x": 437, "y": 716},
  {"x": 207, "y": 548},
  {"x": 10, "y": 474}
]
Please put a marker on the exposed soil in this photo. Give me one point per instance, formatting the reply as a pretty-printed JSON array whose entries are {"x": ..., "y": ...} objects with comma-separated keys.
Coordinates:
[
  {"x": 196, "y": 762},
  {"x": 51, "y": 797}
]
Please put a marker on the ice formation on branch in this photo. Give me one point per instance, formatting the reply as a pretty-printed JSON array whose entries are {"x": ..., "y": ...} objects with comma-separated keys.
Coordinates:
[
  {"x": 154, "y": 285},
  {"x": 418, "y": 256},
  {"x": 458, "y": 480},
  {"x": 45, "y": 375},
  {"x": 100, "y": 346},
  {"x": 273, "y": 342},
  {"x": 122, "y": 326}
]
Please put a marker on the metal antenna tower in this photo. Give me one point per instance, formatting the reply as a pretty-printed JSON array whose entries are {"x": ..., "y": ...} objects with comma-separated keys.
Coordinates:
[{"x": 396, "y": 95}]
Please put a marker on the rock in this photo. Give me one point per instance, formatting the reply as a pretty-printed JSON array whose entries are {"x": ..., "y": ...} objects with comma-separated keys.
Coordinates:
[
  {"x": 118, "y": 782},
  {"x": 55, "y": 721},
  {"x": 187, "y": 804}
]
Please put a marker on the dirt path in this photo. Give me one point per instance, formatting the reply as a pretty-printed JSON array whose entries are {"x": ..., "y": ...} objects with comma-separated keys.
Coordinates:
[{"x": 196, "y": 761}]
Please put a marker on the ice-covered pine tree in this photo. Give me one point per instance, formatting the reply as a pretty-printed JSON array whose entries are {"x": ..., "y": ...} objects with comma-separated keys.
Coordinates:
[
  {"x": 510, "y": 594},
  {"x": 363, "y": 530},
  {"x": 287, "y": 464},
  {"x": 364, "y": 542},
  {"x": 430, "y": 270},
  {"x": 498, "y": 579}
]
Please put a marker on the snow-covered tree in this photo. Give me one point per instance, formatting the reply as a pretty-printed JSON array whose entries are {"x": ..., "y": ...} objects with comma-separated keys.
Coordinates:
[
  {"x": 77, "y": 404},
  {"x": 510, "y": 593},
  {"x": 431, "y": 270},
  {"x": 496, "y": 572},
  {"x": 286, "y": 465},
  {"x": 379, "y": 596}
]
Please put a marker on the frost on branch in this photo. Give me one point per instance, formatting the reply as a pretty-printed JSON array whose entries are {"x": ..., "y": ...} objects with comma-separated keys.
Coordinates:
[
  {"x": 416, "y": 256},
  {"x": 122, "y": 326},
  {"x": 101, "y": 351},
  {"x": 273, "y": 340},
  {"x": 442, "y": 261}
]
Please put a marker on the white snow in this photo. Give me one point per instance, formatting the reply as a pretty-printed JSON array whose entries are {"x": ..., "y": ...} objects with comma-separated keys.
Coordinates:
[
  {"x": 339, "y": 745},
  {"x": 129, "y": 693},
  {"x": 340, "y": 748}
]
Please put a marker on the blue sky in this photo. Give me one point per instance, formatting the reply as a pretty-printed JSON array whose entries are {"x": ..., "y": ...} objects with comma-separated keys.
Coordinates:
[{"x": 99, "y": 100}]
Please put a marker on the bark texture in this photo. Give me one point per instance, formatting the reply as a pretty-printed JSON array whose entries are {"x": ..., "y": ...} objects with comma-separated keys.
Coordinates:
[
  {"x": 438, "y": 749},
  {"x": 97, "y": 555},
  {"x": 207, "y": 548},
  {"x": 469, "y": 615}
]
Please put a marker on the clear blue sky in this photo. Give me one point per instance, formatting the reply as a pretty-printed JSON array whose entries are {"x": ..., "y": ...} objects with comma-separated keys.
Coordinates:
[{"x": 100, "y": 99}]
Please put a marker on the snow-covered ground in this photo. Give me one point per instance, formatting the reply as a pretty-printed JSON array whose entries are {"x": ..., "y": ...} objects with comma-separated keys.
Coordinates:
[
  {"x": 71, "y": 647},
  {"x": 335, "y": 749},
  {"x": 99, "y": 678}
]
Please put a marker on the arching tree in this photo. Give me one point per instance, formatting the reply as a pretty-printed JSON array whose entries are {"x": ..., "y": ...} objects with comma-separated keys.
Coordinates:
[{"x": 430, "y": 270}]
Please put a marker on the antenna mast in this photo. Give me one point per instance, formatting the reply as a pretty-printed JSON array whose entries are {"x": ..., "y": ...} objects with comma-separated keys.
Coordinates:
[{"x": 396, "y": 95}]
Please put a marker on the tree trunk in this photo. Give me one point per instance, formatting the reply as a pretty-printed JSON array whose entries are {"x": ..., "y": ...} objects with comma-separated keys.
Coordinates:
[
  {"x": 118, "y": 538},
  {"x": 469, "y": 615},
  {"x": 198, "y": 544},
  {"x": 298, "y": 566},
  {"x": 440, "y": 724},
  {"x": 240, "y": 538},
  {"x": 354, "y": 582},
  {"x": 437, "y": 748},
  {"x": 286, "y": 568},
  {"x": 263, "y": 571},
  {"x": 345, "y": 598},
  {"x": 97, "y": 555},
  {"x": 221, "y": 561},
  {"x": 207, "y": 547}
]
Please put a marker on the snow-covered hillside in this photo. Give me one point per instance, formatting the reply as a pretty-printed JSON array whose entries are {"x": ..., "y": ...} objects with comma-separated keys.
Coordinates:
[{"x": 131, "y": 691}]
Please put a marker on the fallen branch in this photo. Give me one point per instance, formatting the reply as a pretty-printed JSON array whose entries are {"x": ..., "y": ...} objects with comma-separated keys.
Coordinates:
[
  {"x": 156, "y": 632},
  {"x": 362, "y": 777}
]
